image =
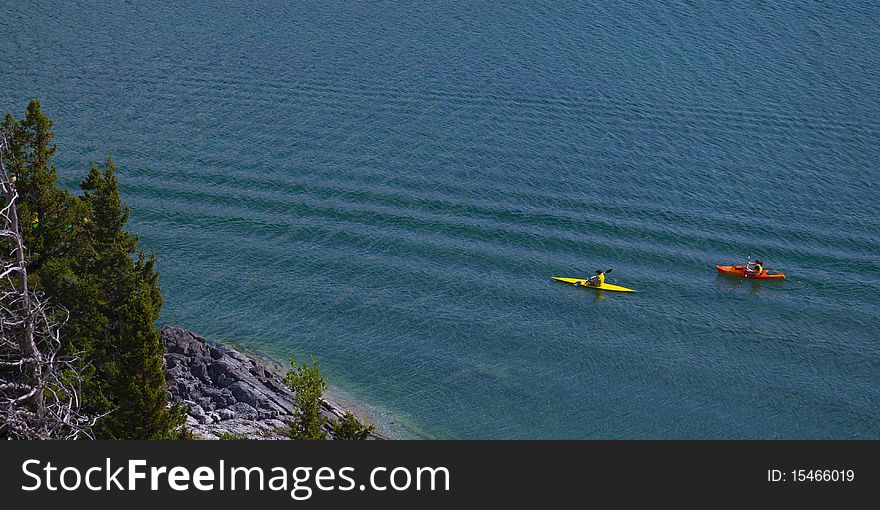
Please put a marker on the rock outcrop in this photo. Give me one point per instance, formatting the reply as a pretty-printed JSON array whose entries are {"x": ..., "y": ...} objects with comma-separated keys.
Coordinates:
[{"x": 226, "y": 392}]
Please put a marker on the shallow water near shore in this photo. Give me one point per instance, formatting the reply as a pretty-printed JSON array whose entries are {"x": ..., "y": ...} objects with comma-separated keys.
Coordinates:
[{"x": 390, "y": 187}]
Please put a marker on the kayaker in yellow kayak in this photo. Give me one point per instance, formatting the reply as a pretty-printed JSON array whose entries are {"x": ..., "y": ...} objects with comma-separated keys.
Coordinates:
[{"x": 596, "y": 280}]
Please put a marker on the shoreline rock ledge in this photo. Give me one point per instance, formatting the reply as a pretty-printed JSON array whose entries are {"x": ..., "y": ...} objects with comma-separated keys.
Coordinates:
[{"x": 227, "y": 392}]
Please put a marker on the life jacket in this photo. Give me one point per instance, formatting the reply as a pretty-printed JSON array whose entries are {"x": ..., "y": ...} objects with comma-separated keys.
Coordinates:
[{"x": 758, "y": 269}]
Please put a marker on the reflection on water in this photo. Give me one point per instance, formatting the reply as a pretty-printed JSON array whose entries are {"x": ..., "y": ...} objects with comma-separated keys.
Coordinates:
[{"x": 756, "y": 287}]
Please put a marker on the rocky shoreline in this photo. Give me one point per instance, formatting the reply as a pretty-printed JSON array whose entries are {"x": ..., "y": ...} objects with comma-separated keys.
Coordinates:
[{"x": 229, "y": 394}]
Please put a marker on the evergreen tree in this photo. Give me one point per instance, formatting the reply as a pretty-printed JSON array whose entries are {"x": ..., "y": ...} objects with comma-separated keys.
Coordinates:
[
  {"x": 81, "y": 256},
  {"x": 48, "y": 214},
  {"x": 308, "y": 387},
  {"x": 132, "y": 352},
  {"x": 51, "y": 222},
  {"x": 349, "y": 428}
]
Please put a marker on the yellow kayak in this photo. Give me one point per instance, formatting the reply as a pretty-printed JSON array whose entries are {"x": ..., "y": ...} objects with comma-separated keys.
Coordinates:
[{"x": 583, "y": 283}]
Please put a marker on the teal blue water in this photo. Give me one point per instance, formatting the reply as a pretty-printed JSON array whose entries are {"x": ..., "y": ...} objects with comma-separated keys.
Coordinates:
[{"x": 388, "y": 186}]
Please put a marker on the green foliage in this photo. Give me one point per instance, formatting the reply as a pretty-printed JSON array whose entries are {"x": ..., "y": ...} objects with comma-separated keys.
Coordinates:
[
  {"x": 349, "y": 428},
  {"x": 129, "y": 297},
  {"x": 81, "y": 256},
  {"x": 308, "y": 387},
  {"x": 185, "y": 434},
  {"x": 49, "y": 216},
  {"x": 229, "y": 436}
]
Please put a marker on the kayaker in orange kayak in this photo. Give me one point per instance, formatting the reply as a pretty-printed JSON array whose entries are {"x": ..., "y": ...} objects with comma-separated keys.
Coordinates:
[
  {"x": 751, "y": 270},
  {"x": 755, "y": 269}
]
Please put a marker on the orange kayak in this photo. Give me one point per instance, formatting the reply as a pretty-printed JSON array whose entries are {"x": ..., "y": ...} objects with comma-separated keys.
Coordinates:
[{"x": 740, "y": 271}]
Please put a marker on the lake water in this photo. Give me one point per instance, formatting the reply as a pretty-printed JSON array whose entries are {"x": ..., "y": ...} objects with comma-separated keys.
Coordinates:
[{"x": 389, "y": 186}]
